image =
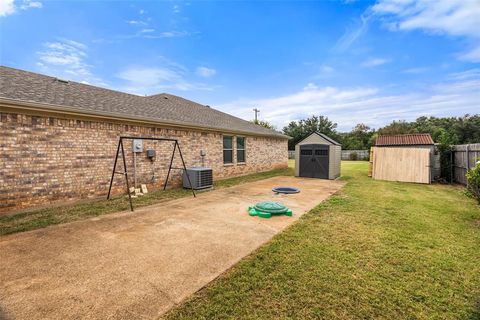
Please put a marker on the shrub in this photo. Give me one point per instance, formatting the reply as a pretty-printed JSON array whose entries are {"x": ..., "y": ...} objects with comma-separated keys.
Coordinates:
[
  {"x": 353, "y": 156},
  {"x": 473, "y": 181},
  {"x": 444, "y": 147}
]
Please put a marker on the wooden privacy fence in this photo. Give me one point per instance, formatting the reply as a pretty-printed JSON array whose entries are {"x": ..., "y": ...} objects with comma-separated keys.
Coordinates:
[
  {"x": 361, "y": 154},
  {"x": 291, "y": 154},
  {"x": 464, "y": 157},
  {"x": 401, "y": 164}
]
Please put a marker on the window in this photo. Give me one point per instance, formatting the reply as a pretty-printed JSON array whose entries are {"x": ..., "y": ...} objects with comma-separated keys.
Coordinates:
[
  {"x": 321, "y": 152},
  {"x": 240, "y": 149},
  {"x": 227, "y": 149},
  {"x": 306, "y": 152}
]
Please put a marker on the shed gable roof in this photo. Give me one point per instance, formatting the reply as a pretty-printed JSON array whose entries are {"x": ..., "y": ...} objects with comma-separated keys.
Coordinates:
[
  {"x": 24, "y": 86},
  {"x": 324, "y": 136},
  {"x": 404, "y": 140}
]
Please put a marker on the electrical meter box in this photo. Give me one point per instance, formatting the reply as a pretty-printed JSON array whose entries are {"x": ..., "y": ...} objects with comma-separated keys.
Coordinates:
[{"x": 137, "y": 145}]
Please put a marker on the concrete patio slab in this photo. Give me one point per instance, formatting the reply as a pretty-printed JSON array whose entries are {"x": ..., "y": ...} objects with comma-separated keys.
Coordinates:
[{"x": 139, "y": 265}]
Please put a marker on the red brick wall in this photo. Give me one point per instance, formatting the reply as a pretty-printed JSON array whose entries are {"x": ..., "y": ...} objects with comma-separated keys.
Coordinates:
[{"x": 48, "y": 159}]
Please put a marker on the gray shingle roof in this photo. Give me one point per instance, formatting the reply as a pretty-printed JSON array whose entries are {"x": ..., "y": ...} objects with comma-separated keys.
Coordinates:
[{"x": 163, "y": 108}]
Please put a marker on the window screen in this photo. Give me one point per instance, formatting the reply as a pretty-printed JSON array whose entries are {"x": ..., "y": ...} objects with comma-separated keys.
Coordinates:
[
  {"x": 240, "y": 149},
  {"x": 227, "y": 149}
]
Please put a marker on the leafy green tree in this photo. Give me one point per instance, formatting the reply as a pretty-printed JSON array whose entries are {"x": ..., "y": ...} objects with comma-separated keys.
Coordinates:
[
  {"x": 397, "y": 127},
  {"x": 467, "y": 129},
  {"x": 360, "y": 138},
  {"x": 445, "y": 142},
  {"x": 264, "y": 124},
  {"x": 299, "y": 130}
]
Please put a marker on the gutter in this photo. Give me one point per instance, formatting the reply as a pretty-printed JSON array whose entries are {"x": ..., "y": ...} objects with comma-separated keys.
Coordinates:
[{"x": 7, "y": 103}]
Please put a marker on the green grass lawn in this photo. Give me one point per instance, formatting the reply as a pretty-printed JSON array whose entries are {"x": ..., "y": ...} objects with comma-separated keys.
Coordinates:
[
  {"x": 55, "y": 215},
  {"x": 377, "y": 250},
  {"x": 291, "y": 163}
]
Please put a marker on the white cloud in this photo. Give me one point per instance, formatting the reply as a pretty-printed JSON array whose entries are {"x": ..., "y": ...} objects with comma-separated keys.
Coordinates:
[
  {"x": 353, "y": 33},
  {"x": 148, "y": 77},
  {"x": 466, "y": 74},
  {"x": 8, "y": 7},
  {"x": 310, "y": 86},
  {"x": 472, "y": 55},
  {"x": 152, "y": 80},
  {"x": 453, "y": 17},
  {"x": 375, "y": 62},
  {"x": 443, "y": 17},
  {"x": 141, "y": 11},
  {"x": 327, "y": 69},
  {"x": 349, "y": 106},
  {"x": 136, "y": 22},
  {"x": 205, "y": 72},
  {"x": 67, "y": 59},
  {"x": 176, "y": 8},
  {"x": 149, "y": 33},
  {"x": 169, "y": 34},
  {"x": 31, "y": 4},
  {"x": 67, "y": 54}
]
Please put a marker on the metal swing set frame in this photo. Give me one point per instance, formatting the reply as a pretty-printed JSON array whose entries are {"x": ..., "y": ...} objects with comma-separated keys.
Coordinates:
[{"x": 125, "y": 173}]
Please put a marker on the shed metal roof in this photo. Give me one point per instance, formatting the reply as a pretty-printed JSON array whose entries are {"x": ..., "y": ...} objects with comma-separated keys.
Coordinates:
[
  {"x": 53, "y": 94},
  {"x": 404, "y": 139}
]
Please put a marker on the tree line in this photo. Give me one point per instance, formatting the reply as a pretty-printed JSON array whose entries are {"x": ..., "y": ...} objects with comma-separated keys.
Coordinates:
[{"x": 444, "y": 130}]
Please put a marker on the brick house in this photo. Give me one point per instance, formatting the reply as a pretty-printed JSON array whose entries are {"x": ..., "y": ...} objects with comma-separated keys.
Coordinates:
[{"x": 58, "y": 139}]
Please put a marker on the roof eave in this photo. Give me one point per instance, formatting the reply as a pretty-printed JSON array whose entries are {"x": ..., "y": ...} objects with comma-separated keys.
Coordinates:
[{"x": 45, "y": 107}]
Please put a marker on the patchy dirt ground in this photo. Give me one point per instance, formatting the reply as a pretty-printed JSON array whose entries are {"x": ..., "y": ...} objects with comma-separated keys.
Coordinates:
[{"x": 138, "y": 265}]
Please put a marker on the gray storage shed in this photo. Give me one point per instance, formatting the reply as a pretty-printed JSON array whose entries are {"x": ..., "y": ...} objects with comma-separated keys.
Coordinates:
[{"x": 318, "y": 156}]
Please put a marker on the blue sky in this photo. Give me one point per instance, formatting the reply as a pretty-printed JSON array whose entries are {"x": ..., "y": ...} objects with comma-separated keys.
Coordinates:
[{"x": 353, "y": 61}]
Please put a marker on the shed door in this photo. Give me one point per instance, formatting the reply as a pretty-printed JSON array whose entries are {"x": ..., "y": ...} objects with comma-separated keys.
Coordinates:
[
  {"x": 314, "y": 161},
  {"x": 408, "y": 164}
]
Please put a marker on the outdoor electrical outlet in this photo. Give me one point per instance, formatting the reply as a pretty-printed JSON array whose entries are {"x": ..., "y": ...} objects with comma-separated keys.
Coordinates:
[{"x": 150, "y": 153}]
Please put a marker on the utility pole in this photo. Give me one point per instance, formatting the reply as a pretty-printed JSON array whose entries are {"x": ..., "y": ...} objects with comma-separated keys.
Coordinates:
[{"x": 256, "y": 112}]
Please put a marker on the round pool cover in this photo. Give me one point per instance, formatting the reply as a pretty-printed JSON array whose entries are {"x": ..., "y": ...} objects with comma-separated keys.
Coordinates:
[
  {"x": 266, "y": 209},
  {"x": 285, "y": 190}
]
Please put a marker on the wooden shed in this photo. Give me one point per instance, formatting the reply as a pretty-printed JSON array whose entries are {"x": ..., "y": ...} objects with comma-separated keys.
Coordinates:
[
  {"x": 407, "y": 158},
  {"x": 318, "y": 156}
]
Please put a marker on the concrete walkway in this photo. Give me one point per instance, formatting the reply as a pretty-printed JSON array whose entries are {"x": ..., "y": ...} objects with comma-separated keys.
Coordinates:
[{"x": 138, "y": 265}]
